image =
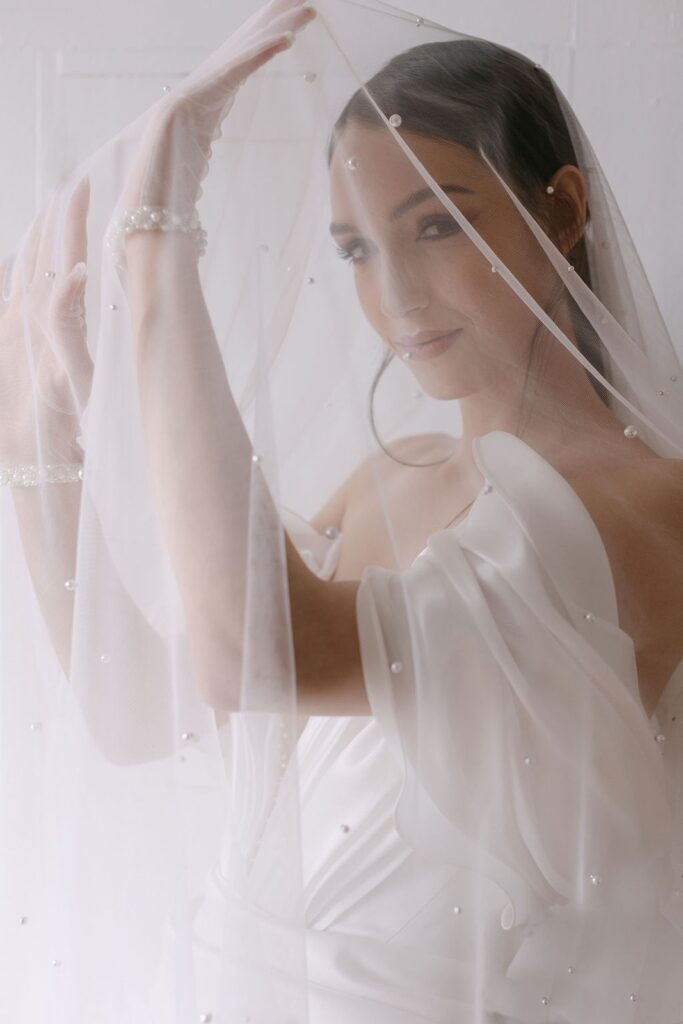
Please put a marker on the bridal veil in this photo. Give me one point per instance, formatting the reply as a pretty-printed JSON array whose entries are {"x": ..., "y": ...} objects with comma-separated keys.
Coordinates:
[{"x": 356, "y": 291}]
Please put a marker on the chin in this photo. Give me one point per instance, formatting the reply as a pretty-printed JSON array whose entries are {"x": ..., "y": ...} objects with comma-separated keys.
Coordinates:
[
  {"x": 444, "y": 395},
  {"x": 445, "y": 387},
  {"x": 459, "y": 372}
]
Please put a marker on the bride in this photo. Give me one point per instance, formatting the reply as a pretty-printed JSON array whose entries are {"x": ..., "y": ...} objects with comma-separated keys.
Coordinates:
[
  {"x": 484, "y": 363},
  {"x": 429, "y": 766}
]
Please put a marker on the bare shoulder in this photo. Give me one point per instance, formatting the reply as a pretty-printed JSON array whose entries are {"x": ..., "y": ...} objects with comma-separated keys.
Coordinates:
[
  {"x": 638, "y": 511},
  {"x": 651, "y": 491},
  {"x": 416, "y": 446}
]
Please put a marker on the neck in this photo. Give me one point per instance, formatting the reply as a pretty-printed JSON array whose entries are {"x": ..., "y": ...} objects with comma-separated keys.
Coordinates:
[{"x": 556, "y": 411}]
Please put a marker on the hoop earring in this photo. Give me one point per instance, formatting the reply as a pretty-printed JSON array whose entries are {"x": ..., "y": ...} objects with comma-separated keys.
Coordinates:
[{"x": 386, "y": 359}]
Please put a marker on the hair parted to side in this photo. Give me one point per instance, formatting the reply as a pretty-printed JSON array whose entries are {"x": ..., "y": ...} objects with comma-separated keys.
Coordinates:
[{"x": 488, "y": 98}]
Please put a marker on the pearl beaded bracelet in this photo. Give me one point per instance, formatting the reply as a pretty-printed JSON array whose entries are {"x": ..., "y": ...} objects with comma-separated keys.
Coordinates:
[
  {"x": 152, "y": 218},
  {"x": 31, "y": 476}
]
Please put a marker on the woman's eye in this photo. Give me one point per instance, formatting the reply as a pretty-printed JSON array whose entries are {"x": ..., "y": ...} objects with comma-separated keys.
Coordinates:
[
  {"x": 356, "y": 251},
  {"x": 346, "y": 252},
  {"x": 446, "y": 226}
]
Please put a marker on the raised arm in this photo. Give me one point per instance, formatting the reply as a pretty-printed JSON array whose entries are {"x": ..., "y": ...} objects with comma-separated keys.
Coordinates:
[
  {"x": 199, "y": 455},
  {"x": 198, "y": 450},
  {"x": 45, "y": 379}
]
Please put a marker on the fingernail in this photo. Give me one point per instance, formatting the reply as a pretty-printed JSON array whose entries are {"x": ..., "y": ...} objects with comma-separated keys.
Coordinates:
[
  {"x": 80, "y": 270},
  {"x": 82, "y": 188},
  {"x": 289, "y": 38}
]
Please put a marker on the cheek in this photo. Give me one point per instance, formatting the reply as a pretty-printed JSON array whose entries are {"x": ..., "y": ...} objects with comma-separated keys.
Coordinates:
[
  {"x": 368, "y": 299},
  {"x": 483, "y": 298},
  {"x": 523, "y": 257},
  {"x": 464, "y": 283},
  {"x": 457, "y": 279}
]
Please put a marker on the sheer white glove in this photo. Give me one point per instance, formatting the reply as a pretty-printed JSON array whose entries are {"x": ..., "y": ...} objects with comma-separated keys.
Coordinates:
[{"x": 165, "y": 183}]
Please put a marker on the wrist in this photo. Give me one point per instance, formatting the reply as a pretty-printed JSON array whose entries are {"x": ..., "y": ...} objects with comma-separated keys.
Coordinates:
[
  {"x": 32, "y": 474},
  {"x": 140, "y": 221}
]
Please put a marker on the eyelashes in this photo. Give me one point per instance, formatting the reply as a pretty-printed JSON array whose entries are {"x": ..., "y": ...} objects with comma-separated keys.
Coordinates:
[
  {"x": 347, "y": 253},
  {"x": 449, "y": 226}
]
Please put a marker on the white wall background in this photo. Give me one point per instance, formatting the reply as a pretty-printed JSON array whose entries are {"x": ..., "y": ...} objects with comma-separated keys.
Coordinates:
[{"x": 620, "y": 63}]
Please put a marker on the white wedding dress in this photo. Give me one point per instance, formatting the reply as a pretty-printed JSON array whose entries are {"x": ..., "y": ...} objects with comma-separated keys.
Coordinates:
[{"x": 396, "y": 909}]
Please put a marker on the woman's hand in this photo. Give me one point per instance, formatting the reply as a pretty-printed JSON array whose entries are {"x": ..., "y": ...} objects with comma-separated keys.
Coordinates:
[
  {"x": 176, "y": 146},
  {"x": 45, "y": 367}
]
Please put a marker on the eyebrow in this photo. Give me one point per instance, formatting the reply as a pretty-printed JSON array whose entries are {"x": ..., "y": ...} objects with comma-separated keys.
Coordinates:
[{"x": 338, "y": 228}]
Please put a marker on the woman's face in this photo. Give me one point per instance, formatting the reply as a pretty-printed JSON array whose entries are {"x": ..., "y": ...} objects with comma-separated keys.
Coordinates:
[{"x": 415, "y": 269}]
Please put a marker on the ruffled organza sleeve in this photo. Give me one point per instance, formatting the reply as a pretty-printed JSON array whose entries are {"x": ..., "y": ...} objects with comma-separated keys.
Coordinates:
[
  {"x": 497, "y": 669},
  {"x": 320, "y": 551}
]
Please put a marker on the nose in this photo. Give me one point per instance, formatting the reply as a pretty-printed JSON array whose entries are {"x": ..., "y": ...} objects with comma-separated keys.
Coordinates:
[{"x": 401, "y": 289}]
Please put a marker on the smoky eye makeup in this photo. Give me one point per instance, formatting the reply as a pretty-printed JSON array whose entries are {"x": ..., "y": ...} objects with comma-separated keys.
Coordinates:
[{"x": 431, "y": 227}]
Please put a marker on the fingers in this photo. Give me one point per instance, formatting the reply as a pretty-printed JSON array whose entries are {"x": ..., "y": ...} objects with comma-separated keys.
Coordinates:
[
  {"x": 75, "y": 246},
  {"x": 68, "y": 330},
  {"x": 28, "y": 252},
  {"x": 258, "y": 49},
  {"x": 64, "y": 239},
  {"x": 263, "y": 17},
  {"x": 7, "y": 274},
  {"x": 279, "y": 33},
  {"x": 270, "y": 31},
  {"x": 252, "y": 64},
  {"x": 67, "y": 305},
  {"x": 276, "y": 7},
  {"x": 47, "y": 254},
  {"x": 43, "y": 251},
  {"x": 292, "y": 20}
]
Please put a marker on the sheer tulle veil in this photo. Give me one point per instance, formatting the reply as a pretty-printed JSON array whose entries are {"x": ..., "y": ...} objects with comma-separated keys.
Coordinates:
[{"x": 350, "y": 310}]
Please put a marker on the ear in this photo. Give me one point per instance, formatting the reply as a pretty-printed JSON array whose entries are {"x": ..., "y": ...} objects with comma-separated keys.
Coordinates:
[{"x": 569, "y": 206}]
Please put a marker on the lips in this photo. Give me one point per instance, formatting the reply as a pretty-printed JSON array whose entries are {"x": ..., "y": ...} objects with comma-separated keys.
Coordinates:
[
  {"x": 429, "y": 345},
  {"x": 423, "y": 338}
]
